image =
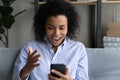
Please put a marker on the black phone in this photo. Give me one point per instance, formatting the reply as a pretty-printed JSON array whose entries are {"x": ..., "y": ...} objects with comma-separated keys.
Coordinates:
[{"x": 59, "y": 67}]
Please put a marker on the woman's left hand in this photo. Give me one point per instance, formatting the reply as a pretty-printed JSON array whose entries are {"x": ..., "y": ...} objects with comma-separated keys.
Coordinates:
[{"x": 65, "y": 76}]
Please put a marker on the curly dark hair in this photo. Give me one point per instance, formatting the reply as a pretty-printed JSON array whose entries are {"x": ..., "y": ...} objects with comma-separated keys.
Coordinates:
[{"x": 54, "y": 8}]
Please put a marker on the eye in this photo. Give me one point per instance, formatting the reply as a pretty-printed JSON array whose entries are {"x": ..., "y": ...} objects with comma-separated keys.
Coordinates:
[
  {"x": 62, "y": 27},
  {"x": 50, "y": 27}
]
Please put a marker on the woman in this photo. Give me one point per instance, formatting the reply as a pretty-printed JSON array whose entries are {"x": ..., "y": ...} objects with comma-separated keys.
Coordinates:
[{"x": 55, "y": 24}]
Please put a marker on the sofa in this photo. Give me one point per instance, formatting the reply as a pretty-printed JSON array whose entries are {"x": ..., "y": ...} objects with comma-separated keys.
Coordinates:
[{"x": 103, "y": 63}]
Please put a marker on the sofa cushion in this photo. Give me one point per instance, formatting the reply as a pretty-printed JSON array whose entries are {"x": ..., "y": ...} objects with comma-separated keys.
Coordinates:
[
  {"x": 104, "y": 63},
  {"x": 7, "y": 58}
]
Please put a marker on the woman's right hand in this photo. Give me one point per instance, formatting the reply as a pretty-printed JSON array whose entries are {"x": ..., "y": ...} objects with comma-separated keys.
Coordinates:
[{"x": 32, "y": 62}]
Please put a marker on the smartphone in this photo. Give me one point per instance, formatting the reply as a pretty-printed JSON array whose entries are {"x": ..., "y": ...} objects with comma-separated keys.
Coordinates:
[{"x": 59, "y": 67}]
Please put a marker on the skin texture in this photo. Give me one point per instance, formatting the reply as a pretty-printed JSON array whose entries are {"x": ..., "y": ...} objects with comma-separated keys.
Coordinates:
[{"x": 56, "y": 30}]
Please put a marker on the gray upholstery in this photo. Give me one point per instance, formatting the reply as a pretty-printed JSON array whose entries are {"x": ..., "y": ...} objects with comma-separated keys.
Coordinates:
[
  {"x": 7, "y": 58},
  {"x": 104, "y": 64}
]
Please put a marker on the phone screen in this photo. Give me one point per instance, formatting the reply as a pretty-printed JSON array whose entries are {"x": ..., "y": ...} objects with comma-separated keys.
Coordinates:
[{"x": 59, "y": 67}]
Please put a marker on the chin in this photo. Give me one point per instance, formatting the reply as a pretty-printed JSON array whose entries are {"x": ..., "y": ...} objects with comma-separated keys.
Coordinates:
[{"x": 56, "y": 45}]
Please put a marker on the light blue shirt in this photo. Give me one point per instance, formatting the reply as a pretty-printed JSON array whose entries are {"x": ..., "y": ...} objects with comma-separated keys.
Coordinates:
[{"x": 71, "y": 53}]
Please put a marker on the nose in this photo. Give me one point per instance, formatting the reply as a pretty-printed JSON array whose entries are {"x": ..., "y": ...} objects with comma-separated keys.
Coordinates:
[{"x": 57, "y": 32}]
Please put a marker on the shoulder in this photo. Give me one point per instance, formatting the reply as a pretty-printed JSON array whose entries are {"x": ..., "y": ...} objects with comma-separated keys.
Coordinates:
[
  {"x": 30, "y": 43},
  {"x": 34, "y": 45},
  {"x": 75, "y": 43},
  {"x": 77, "y": 46}
]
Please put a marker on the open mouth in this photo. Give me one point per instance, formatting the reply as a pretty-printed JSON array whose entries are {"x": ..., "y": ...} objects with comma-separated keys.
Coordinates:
[{"x": 56, "y": 40}]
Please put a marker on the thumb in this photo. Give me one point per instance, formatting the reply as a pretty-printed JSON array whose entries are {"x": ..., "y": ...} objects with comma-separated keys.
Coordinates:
[
  {"x": 30, "y": 50},
  {"x": 67, "y": 71}
]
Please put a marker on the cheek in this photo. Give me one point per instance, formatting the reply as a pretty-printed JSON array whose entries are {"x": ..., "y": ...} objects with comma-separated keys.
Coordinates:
[
  {"x": 49, "y": 32},
  {"x": 65, "y": 32}
]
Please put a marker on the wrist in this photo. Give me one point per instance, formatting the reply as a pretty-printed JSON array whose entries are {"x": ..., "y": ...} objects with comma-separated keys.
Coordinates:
[{"x": 24, "y": 73}]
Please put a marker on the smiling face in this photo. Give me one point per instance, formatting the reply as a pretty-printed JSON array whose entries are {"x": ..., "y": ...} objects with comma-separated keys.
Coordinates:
[{"x": 56, "y": 29}]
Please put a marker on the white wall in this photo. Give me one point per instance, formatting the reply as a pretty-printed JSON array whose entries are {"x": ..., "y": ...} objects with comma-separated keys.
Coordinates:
[{"x": 21, "y": 31}]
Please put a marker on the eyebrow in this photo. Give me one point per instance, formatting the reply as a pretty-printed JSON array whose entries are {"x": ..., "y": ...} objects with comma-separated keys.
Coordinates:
[
  {"x": 53, "y": 25},
  {"x": 50, "y": 24}
]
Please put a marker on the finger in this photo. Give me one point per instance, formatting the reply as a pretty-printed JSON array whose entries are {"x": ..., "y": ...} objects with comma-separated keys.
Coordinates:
[
  {"x": 67, "y": 71},
  {"x": 36, "y": 58},
  {"x": 52, "y": 77},
  {"x": 32, "y": 66},
  {"x": 30, "y": 50},
  {"x": 37, "y": 64},
  {"x": 58, "y": 73},
  {"x": 33, "y": 53}
]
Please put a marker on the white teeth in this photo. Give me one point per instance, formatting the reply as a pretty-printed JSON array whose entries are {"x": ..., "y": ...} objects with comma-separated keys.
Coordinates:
[{"x": 56, "y": 39}]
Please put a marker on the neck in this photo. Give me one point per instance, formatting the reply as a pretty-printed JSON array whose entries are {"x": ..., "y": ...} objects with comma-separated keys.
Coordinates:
[{"x": 55, "y": 48}]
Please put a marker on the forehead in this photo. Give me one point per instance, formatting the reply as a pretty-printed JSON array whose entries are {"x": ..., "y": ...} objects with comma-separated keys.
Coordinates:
[{"x": 59, "y": 20}]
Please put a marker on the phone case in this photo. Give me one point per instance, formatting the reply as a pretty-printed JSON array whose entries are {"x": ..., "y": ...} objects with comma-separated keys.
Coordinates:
[{"x": 59, "y": 67}]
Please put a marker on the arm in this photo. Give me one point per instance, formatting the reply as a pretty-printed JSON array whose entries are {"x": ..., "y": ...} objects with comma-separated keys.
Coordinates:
[
  {"x": 24, "y": 64},
  {"x": 82, "y": 70},
  {"x": 31, "y": 63}
]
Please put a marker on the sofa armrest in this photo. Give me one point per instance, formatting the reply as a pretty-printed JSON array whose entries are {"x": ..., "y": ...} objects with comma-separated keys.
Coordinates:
[{"x": 7, "y": 58}]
